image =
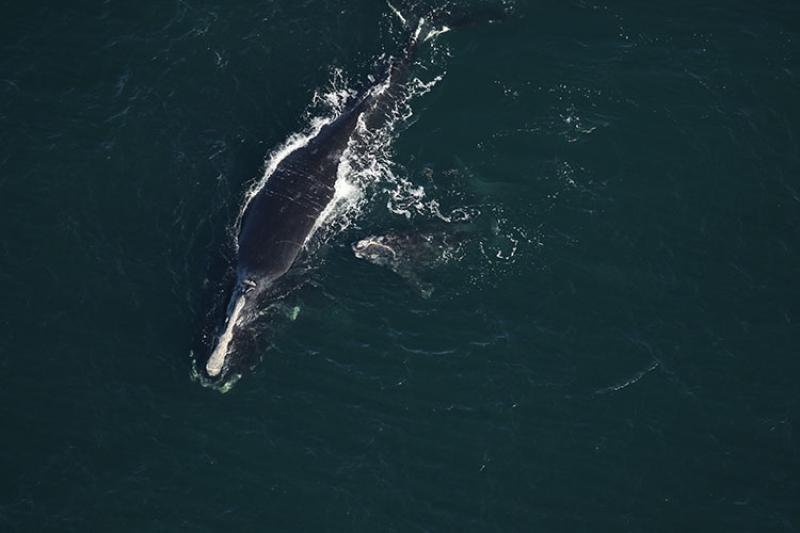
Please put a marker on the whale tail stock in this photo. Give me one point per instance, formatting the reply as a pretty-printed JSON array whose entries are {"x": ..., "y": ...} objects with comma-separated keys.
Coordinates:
[
  {"x": 441, "y": 20},
  {"x": 451, "y": 17},
  {"x": 422, "y": 29}
]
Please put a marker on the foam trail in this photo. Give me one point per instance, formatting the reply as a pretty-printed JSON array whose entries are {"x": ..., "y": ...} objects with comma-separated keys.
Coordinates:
[
  {"x": 630, "y": 381},
  {"x": 217, "y": 359}
]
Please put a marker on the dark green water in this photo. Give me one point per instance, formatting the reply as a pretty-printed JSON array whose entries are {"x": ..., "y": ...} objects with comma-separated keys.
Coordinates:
[{"x": 631, "y": 367}]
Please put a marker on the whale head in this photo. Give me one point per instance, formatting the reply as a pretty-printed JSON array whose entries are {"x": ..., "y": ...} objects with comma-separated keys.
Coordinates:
[
  {"x": 374, "y": 250},
  {"x": 242, "y": 310}
]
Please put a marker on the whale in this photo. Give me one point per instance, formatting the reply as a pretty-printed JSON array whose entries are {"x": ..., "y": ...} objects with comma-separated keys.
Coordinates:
[
  {"x": 409, "y": 254},
  {"x": 280, "y": 218}
]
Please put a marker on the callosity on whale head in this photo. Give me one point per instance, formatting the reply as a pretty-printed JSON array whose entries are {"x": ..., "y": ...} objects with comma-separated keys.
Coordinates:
[{"x": 242, "y": 309}]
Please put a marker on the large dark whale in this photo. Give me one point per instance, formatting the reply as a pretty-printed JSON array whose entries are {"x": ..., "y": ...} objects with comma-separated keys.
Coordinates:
[{"x": 279, "y": 219}]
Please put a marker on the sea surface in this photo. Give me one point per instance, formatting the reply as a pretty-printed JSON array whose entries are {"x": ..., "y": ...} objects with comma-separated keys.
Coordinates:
[{"x": 604, "y": 334}]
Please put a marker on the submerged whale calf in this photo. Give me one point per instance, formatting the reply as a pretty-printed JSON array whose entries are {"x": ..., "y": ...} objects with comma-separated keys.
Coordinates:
[
  {"x": 282, "y": 216},
  {"x": 409, "y": 254}
]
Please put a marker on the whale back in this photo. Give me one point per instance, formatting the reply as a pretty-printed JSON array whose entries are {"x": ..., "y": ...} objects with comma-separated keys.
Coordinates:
[{"x": 281, "y": 216}]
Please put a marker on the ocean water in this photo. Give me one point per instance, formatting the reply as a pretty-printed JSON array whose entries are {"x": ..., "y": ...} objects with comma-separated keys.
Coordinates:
[{"x": 612, "y": 345}]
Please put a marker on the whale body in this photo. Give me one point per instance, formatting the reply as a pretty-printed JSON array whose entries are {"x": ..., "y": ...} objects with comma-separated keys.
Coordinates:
[
  {"x": 283, "y": 214},
  {"x": 281, "y": 217}
]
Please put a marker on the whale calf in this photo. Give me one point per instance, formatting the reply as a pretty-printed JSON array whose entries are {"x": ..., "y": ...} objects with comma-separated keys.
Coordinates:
[
  {"x": 409, "y": 254},
  {"x": 281, "y": 217}
]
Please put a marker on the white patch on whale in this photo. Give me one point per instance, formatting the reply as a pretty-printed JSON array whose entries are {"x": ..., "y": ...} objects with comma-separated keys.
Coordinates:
[{"x": 217, "y": 359}]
